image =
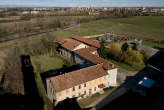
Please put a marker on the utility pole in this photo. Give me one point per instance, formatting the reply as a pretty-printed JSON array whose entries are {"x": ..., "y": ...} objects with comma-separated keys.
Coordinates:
[{"x": 79, "y": 22}]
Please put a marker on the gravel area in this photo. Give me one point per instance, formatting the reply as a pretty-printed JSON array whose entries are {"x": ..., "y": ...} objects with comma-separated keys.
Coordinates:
[{"x": 122, "y": 74}]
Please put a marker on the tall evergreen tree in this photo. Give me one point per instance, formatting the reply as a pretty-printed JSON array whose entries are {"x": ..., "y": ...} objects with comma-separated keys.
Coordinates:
[
  {"x": 102, "y": 50},
  {"x": 124, "y": 47}
]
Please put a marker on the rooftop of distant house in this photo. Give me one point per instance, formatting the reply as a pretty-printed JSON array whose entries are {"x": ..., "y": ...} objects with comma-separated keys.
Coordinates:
[
  {"x": 68, "y": 44},
  {"x": 71, "y": 79},
  {"x": 86, "y": 41}
]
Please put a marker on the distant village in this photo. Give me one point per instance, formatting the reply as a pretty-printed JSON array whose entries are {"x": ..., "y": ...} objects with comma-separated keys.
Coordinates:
[{"x": 90, "y": 10}]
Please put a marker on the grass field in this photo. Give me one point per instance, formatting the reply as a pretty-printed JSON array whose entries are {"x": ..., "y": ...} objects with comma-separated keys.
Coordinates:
[
  {"x": 153, "y": 44},
  {"x": 144, "y": 27},
  {"x": 49, "y": 62}
]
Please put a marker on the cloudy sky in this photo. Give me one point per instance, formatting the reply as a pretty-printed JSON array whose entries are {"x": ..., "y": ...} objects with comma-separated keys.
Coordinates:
[{"x": 81, "y": 3}]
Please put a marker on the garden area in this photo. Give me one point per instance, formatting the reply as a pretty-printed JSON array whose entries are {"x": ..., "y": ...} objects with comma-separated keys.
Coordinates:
[
  {"x": 46, "y": 63},
  {"x": 125, "y": 56}
]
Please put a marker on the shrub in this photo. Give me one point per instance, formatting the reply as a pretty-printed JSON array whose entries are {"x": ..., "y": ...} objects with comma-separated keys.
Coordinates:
[
  {"x": 115, "y": 51},
  {"x": 133, "y": 57}
]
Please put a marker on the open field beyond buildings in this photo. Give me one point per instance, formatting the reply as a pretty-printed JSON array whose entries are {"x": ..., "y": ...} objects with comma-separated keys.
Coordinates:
[
  {"x": 153, "y": 44},
  {"x": 143, "y": 27}
]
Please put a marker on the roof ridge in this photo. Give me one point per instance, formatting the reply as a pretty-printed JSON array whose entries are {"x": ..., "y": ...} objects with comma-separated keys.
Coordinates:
[{"x": 66, "y": 73}]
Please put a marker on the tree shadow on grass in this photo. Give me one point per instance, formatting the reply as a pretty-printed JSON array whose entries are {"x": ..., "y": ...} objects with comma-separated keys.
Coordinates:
[
  {"x": 68, "y": 104},
  {"x": 32, "y": 98},
  {"x": 10, "y": 101}
]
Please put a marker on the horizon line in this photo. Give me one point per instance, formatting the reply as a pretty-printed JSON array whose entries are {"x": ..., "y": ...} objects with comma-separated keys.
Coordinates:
[{"x": 5, "y": 6}]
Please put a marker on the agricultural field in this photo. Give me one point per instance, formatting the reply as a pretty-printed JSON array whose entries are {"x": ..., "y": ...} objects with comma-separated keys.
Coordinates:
[
  {"x": 154, "y": 44},
  {"x": 142, "y": 27}
]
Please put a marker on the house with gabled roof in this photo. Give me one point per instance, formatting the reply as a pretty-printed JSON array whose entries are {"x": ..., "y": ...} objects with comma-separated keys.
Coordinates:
[
  {"x": 79, "y": 83},
  {"x": 86, "y": 41},
  {"x": 67, "y": 46}
]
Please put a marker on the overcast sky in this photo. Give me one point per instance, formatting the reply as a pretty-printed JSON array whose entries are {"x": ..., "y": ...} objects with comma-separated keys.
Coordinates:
[{"x": 83, "y": 3}]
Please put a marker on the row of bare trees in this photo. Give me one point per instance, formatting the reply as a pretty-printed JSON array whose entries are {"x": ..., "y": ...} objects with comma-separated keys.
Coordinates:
[{"x": 46, "y": 46}]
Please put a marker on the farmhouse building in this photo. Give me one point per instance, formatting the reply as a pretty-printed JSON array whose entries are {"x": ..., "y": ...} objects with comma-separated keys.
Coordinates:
[{"x": 80, "y": 83}]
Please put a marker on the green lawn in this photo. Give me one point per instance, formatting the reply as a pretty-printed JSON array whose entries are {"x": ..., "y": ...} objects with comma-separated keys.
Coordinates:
[
  {"x": 42, "y": 91},
  {"x": 154, "y": 44},
  {"x": 128, "y": 67},
  {"x": 145, "y": 27},
  {"x": 47, "y": 62}
]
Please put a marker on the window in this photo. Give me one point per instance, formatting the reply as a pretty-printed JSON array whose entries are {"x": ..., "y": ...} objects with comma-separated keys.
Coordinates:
[
  {"x": 52, "y": 90},
  {"x": 79, "y": 86},
  {"x": 85, "y": 85},
  {"x": 95, "y": 88},
  {"x": 73, "y": 89},
  {"x": 85, "y": 92}
]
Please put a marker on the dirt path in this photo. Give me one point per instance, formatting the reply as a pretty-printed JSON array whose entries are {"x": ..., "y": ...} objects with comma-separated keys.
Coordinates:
[{"x": 100, "y": 99}]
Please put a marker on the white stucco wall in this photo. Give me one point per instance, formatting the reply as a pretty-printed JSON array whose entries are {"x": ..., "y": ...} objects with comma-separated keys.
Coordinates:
[
  {"x": 95, "y": 53},
  {"x": 50, "y": 90},
  {"x": 80, "y": 46},
  {"x": 89, "y": 85},
  {"x": 112, "y": 77}
]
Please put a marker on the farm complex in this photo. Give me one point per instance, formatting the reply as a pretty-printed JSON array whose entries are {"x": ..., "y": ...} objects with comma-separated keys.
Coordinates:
[{"x": 95, "y": 74}]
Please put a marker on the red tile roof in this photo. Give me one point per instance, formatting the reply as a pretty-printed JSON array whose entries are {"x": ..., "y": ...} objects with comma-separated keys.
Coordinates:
[
  {"x": 69, "y": 80},
  {"x": 61, "y": 41},
  {"x": 95, "y": 59},
  {"x": 87, "y": 41},
  {"x": 88, "y": 49},
  {"x": 68, "y": 44}
]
